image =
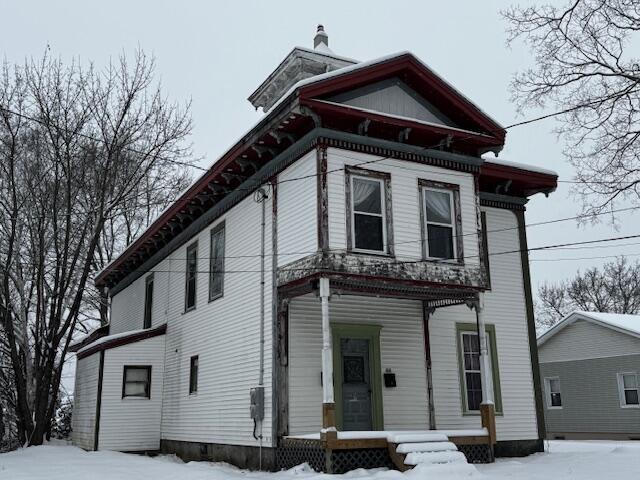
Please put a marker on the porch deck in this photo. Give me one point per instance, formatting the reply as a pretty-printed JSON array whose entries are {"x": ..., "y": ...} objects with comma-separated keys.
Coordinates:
[{"x": 370, "y": 449}]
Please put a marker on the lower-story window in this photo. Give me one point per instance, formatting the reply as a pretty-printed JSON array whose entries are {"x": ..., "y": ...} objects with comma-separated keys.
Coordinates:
[
  {"x": 469, "y": 360},
  {"x": 136, "y": 381},
  {"x": 193, "y": 374},
  {"x": 629, "y": 389},
  {"x": 552, "y": 389}
]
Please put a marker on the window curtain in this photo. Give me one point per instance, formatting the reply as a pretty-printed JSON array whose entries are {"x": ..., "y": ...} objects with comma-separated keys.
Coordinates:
[
  {"x": 438, "y": 207},
  {"x": 366, "y": 196}
]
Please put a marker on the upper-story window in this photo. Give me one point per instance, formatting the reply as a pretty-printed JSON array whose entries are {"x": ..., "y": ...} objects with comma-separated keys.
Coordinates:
[
  {"x": 369, "y": 211},
  {"x": 148, "y": 302},
  {"x": 216, "y": 266},
  {"x": 191, "y": 277},
  {"x": 441, "y": 225}
]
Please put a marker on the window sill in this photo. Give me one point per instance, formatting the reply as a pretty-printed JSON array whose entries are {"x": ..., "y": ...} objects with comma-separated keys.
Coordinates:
[
  {"x": 445, "y": 261},
  {"x": 629, "y": 406},
  {"x": 374, "y": 253},
  {"x": 213, "y": 299},
  {"x": 554, "y": 408},
  {"x": 135, "y": 399},
  {"x": 191, "y": 309}
]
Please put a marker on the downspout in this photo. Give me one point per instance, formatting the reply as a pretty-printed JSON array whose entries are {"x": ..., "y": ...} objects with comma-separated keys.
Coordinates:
[{"x": 427, "y": 311}]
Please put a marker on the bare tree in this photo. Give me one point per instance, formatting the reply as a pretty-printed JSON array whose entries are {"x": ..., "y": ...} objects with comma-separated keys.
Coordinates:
[
  {"x": 614, "y": 289},
  {"x": 585, "y": 68},
  {"x": 80, "y": 150}
]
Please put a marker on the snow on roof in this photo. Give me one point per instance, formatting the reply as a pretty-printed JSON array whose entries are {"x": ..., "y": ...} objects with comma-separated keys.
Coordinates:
[
  {"x": 322, "y": 49},
  {"x": 521, "y": 166},
  {"x": 116, "y": 336},
  {"x": 625, "y": 323}
]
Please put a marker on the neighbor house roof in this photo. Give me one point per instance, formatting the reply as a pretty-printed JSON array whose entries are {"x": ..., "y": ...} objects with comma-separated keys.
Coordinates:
[{"x": 624, "y": 323}]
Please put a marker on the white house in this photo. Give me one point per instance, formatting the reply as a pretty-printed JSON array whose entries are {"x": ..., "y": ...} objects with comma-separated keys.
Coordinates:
[{"x": 353, "y": 262}]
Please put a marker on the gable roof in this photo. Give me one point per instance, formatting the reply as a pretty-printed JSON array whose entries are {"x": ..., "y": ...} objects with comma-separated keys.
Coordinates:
[
  {"x": 623, "y": 323},
  {"x": 287, "y": 130}
]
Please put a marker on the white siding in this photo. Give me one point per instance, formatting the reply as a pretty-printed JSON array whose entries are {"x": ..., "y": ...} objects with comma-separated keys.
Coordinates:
[
  {"x": 504, "y": 308},
  {"x": 405, "y": 202},
  {"x": 224, "y": 334},
  {"x": 85, "y": 396},
  {"x": 132, "y": 423},
  {"x": 401, "y": 350},
  {"x": 297, "y": 210},
  {"x": 583, "y": 340}
]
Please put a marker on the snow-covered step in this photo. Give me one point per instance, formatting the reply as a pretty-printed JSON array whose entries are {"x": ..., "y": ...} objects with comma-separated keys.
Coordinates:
[
  {"x": 399, "y": 438},
  {"x": 426, "y": 447},
  {"x": 431, "y": 458}
]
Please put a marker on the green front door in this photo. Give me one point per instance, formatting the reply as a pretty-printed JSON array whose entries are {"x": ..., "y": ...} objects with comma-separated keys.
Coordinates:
[{"x": 357, "y": 377}]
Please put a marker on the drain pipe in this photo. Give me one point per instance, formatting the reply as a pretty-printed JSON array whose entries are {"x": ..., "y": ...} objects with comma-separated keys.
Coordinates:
[{"x": 261, "y": 197}]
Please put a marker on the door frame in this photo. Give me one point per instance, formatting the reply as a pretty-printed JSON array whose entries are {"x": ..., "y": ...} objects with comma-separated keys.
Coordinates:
[{"x": 371, "y": 333}]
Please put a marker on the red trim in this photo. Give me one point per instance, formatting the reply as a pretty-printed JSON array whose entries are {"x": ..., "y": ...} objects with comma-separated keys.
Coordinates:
[
  {"x": 530, "y": 178},
  {"x": 406, "y": 63},
  {"x": 118, "y": 342},
  {"x": 354, "y": 112},
  {"x": 92, "y": 337}
]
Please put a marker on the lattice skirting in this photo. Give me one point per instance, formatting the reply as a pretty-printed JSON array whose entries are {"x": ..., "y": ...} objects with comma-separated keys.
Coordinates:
[
  {"x": 293, "y": 452},
  {"x": 481, "y": 453}
]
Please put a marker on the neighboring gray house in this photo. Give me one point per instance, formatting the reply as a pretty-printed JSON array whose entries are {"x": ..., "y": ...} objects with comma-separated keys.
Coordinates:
[{"x": 590, "y": 369}]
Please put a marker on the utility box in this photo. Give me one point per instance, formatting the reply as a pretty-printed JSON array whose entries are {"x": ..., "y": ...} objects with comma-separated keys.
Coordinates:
[{"x": 256, "y": 407}]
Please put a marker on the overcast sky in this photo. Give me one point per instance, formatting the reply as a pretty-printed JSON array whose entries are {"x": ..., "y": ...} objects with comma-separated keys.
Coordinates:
[{"x": 217, "y": 53}]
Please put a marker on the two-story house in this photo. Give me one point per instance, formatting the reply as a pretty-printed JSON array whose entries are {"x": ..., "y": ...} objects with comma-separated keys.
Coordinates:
[{"x": 349, "y": 279}]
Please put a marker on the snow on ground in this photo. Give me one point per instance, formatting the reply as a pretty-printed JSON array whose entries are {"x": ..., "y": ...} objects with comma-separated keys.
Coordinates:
[{"x": 568, "y": 460}]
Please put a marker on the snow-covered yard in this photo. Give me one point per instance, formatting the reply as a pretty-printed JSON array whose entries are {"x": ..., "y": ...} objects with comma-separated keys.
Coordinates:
[{"x": 563, "y": 459}]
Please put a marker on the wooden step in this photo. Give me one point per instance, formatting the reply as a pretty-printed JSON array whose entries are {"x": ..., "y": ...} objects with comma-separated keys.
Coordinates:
[{"x": 432, "y": 458}]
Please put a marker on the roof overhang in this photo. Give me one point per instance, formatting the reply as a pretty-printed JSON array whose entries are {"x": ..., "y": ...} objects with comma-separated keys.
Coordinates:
[{"x": 119, "y": 340}]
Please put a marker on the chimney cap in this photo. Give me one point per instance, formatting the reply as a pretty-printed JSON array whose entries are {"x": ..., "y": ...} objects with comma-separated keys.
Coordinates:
[{"x": 321, "y": 37}]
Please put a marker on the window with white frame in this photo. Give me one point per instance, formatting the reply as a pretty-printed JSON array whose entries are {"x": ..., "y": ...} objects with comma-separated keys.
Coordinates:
[
  {"x": 629, "y": 389},
  {"x": 439, "y": 223},
  {"x": 469, "y": 363},
  {"x": 552, "y": 389},
  {"x": 471, "y": 368},
  {"x": 368, "y": 214}
]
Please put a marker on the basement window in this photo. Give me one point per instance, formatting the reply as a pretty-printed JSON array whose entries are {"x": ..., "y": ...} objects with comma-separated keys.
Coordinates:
[
  {"x": 191, "y": 277},
  {"x": 552, "y": 389},
  {"x": 369, "y": 211},
  {"x": 629, "y": 389},
  {"x": 136, "y": 381}
]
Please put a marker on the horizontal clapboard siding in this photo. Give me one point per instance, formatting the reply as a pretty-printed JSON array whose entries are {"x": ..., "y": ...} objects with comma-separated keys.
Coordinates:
[
  {"x": 224, "y": 333},
  {"x": 583, "y": 340},
  {"x": 405, "y": 201},
  {"x": 132, "y": 424},
  {"x": 297, "y": 210},
  {"x": 401, "y": 351},
  {"x": 84, "y": 401},
  {"x": 504, "y": 308}
]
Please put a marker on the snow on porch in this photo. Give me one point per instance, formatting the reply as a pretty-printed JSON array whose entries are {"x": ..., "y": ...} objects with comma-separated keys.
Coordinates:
[{"x": 393, "y": 435}]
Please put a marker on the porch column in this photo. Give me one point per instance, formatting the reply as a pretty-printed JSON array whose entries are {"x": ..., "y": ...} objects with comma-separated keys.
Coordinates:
[
  {"x": 487, "y": 407},
  {"x": 328, "y": 401}
]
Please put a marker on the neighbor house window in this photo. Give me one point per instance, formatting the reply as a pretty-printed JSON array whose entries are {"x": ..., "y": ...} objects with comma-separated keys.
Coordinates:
[
  {"x": 148, "y": 302},
  {"x": 470, "y": 374},
  {"x": 368, "y": 211},
  {"x": 193, "y": 375},
  {"x": 629, "y": 389},
  {"x": 136, "y": 381},
  {"x": 552, "y": 388},
  {"x": 216, "y": 267},
  {"x": 191, "y": 275},
  {"x": 440, "y": 221}
]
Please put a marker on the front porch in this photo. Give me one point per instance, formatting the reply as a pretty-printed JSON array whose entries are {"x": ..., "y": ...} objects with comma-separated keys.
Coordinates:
[
  {"x": 399, "y": 450},
  {"x": 378, "y": 409}
]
